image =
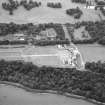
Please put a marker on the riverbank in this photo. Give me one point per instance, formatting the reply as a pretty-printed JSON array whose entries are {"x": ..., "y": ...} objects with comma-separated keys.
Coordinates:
[
  {"x": 70, "y": 95},
  {"x": 66, "y": 80}
]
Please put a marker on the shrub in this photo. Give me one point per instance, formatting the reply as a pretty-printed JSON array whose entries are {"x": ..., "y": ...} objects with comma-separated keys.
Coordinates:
[
  {"x": 75, "y": 12},
  {"x": 79, "y": 1},
  {"x": 54, "y": 5}
]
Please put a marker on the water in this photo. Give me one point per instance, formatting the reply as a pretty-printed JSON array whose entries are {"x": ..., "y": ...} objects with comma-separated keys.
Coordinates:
[{"x": 10, "y": 95}]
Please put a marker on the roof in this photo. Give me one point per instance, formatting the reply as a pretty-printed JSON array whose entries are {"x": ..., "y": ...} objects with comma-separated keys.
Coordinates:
[{"x": 19, "y": 35}]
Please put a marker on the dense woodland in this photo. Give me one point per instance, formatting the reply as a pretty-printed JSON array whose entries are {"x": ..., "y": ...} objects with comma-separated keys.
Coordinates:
[
  {"x": 98, "y": 67},
  {"x": 30, "y": 28},
  {"x": 75, "y": 12},
  {"x": 83, "y": 83},
  {"x": 96, "y": 31}
]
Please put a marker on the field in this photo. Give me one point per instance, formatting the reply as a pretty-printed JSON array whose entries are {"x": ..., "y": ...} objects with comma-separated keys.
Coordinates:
[
  {"x": 45, "y": 14},
  {"x": 48, "y": 56},
  {"x": 92, "y": 52},
  {"x": 78, "y": 34}
]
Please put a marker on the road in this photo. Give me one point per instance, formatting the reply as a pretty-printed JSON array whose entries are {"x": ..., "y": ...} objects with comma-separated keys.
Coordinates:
[
  {"x": 66, "y": 32},
  {"x": 72, "y": 45}
]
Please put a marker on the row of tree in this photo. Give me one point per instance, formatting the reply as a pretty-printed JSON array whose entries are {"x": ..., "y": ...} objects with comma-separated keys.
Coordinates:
[
  {"x": 13, "y": 5},
  {"x": 7, "y": 42},
  {"x": 35, "y": 42},
  {"x": 29, "y": 28},
  {"x": 54, "y": 5},
  {"x": 75, "y": 12},
  {"x": 29, "y": 5},
  {"x": 79, "y": 1},
  {"x": 84, "y": 83},
  {"x": 54, "y": 42}
]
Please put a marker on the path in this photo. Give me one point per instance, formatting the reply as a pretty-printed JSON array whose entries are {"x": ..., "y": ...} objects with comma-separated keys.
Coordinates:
[
  {"x": 75, "y": 47},
  {"x": 66, "y": 32}
]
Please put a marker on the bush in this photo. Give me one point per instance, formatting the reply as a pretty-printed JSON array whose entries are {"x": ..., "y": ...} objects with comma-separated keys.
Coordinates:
[
  {"x": 54, "y": 5},
  {"x": 75, "y": 12},
  {"x": 79, "y": 1}
]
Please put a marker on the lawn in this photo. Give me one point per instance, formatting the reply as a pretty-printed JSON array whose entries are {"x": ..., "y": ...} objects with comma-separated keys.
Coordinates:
[
  {"x": 92, "y": 52},
  {"x": 49, "y": 55},
  {"x": 45, "y": 14},
  {"x": 78, "y": 34}
]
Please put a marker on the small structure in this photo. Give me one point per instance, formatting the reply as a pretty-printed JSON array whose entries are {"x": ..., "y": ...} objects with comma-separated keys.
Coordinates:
[
  {"x": 15, "y": 37},
  {"x": 19, "y": 36},
  {"x": 48, "y": 34},
  {"x": 51, "y": 34}
]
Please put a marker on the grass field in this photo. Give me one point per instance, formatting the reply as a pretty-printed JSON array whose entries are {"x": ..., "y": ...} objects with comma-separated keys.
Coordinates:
[
  {"x": 92, "y": 52},
  {"x": 49, "y": 55},
  {"x": 78, "y": 35},
  {"x": 44, "y": 14}
]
